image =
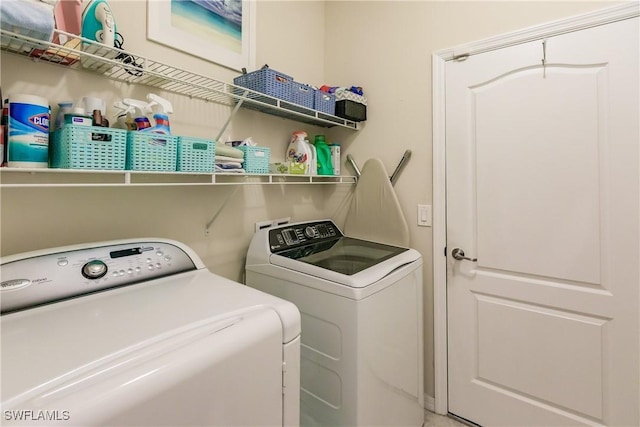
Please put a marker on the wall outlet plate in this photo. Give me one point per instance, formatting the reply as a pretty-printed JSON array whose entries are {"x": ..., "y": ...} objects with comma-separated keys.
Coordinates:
[
  {"x": 281, "y": 221},
  {"x": 260, "y": 225}
]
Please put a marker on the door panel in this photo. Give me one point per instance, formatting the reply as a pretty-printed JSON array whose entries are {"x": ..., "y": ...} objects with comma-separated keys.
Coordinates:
[
  {"x": 551, "y": 335},
  {"x": 543, "y": 188},
  {"x": 525, "y": 145}
]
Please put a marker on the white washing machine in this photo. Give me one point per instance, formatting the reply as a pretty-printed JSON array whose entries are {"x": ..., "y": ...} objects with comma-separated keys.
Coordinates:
[
  {"x": 361, "y": 308},
  {"x": 140, "y": 333}
]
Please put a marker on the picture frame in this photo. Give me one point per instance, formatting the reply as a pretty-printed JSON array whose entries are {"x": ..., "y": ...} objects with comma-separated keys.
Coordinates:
[{"x": 219, "y": 31}]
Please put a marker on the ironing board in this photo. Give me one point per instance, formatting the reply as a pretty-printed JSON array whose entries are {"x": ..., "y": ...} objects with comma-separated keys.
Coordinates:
[{"x": 375, "y": 212}]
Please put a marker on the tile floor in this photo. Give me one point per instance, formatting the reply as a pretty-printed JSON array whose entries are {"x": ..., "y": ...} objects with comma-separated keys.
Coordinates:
[{"x": 434, "y": 420}]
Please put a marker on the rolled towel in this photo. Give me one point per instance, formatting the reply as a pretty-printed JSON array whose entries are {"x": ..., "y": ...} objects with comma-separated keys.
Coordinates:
[{"x": 31, "y": 18}]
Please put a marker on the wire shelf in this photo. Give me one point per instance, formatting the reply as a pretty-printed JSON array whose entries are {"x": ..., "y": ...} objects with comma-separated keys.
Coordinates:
[
  {"x": 43, "y": 177},
  {"x": 116, "y": 64}
]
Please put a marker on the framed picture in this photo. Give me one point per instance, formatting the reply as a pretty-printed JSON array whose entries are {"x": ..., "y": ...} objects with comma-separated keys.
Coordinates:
[{"x": 220, "y": 31}]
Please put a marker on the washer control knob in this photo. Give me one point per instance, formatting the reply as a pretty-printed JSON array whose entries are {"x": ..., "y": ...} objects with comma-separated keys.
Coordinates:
[
  {"x": 310, "y": 232},
  {"x": 94, "y": 269}
]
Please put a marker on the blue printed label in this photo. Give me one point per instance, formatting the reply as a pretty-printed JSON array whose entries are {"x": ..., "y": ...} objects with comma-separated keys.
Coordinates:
[
  {"x": 28, "y": 139},
  {"x": 40, "y": 121}
]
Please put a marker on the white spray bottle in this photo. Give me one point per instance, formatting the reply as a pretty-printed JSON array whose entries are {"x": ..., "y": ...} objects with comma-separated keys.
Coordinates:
[
  {"x": 161, "y": 115},
  {"x": 141, "y": 109},
  {"x": 124, "y": 116}
]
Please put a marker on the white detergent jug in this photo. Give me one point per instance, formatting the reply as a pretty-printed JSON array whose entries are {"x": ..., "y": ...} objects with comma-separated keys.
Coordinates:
[{"x": 299, "y": 154}]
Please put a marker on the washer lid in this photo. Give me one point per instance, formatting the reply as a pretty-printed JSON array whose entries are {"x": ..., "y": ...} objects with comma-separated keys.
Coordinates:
[
  {"x": 50, "y": 342},
  {"x": 345, "y": 260}
]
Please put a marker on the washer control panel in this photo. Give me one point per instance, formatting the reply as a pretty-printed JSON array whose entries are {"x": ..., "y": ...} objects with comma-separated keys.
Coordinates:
[
  {"x": 294, "y": 235},
  {"x": 55, "y": 276}
]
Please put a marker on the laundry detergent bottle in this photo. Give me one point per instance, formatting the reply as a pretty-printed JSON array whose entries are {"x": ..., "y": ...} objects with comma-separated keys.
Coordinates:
[
  {"x": 299, "y": 154},
  {"x": 323, "y": 153}
]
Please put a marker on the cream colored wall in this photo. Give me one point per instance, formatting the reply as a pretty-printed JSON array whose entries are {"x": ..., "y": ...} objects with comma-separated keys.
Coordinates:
[
  {"x": 40, "y": 218},
  {"x": 386, "y": 47}
]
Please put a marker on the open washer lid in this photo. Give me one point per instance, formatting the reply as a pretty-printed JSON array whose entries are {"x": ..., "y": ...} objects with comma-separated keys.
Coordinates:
[{"x": 345, "y": 260}]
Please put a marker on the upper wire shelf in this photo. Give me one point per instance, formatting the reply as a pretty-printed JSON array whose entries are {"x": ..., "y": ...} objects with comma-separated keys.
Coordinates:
[{"x": 116, "y": 64}]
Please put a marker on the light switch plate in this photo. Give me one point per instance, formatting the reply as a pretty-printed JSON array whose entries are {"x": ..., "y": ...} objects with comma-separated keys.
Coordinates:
[{"x": 424, "y": 215}]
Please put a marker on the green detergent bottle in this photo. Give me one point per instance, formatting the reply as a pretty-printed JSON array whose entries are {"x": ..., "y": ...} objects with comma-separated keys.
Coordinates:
[{"x": 323, "y": 153}]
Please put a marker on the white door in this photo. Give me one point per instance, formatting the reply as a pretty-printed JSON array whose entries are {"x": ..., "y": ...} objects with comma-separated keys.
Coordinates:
[{"x": 543, "y": 188}]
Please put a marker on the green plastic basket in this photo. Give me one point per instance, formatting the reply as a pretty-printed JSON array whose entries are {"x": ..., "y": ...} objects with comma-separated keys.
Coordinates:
[
  {"x": 196, "y": 154},
  {"x": 88, "y": 147},
  {"x": 147, "y": 151},
  {"x": 256, "y": 159}
]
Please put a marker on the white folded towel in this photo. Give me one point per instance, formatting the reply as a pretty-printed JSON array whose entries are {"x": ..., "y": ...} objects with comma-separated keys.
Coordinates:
[
  {"x": 225, "y": 159},
  {"x": 222, "y": 169}
]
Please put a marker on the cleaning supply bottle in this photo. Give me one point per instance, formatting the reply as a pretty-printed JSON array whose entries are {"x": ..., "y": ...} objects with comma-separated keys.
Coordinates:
[
  {"x": 64, "y": 107},
  {"x": 299, "y": 154},
  {"x": 124, "y": 116},
  {"x": 335, "y": 157},
  {"x": 313, "y": 164},
  {"x": 140, "y": 108},
  {"x": 324, "y": 156},
  {"x": 162, "y": 119}
]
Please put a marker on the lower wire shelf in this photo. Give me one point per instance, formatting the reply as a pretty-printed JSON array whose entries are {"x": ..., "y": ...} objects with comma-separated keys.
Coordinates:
[{"x": 45, "y": 177}]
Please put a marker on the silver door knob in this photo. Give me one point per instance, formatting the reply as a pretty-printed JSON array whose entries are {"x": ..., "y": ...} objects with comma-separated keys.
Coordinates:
[{"x": 458, "y": 254}]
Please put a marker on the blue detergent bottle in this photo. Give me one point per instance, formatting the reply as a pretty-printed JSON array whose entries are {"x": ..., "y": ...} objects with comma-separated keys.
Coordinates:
[{"x": 323, "y": 153}]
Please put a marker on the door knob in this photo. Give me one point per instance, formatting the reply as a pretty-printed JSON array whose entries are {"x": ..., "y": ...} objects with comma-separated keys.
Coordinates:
[{"x": 458, "y": 254}]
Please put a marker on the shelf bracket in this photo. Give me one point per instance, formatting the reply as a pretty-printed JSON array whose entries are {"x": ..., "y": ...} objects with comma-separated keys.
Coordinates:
[
  {"x": 233, "y": 113},
  {"x": 207, "y": 232}
]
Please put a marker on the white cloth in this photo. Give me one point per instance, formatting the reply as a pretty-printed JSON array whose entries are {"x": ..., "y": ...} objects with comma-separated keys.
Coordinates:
[
  {"x": 225, "y": 159},
  {"x": 30, "y": 18},
  {"x": 221, "y": 169}
]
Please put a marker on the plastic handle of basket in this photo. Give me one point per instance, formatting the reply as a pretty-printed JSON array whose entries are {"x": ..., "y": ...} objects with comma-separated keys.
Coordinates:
[
  {"x": 200, "y": 146},
  {"x": 158, "y": 142},
  {"x": 282, "y": 79},
  {"x": 259, "y": 154}
]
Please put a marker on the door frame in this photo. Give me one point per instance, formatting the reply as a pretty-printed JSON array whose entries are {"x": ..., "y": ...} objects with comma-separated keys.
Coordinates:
[{"x": 439, "y": 59}]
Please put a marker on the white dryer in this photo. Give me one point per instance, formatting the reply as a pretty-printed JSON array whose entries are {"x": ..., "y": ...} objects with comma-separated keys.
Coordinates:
[
  {"x": 361, "y": 308},
  {"x": 140, "y": 333}
]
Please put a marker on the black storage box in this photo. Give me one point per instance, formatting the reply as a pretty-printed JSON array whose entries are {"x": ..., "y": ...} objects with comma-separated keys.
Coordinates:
[{"x": 351, "y": 110}]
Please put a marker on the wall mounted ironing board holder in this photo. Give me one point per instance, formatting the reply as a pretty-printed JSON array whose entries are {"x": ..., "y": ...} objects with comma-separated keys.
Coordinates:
[{"x": 394, "y": 176}]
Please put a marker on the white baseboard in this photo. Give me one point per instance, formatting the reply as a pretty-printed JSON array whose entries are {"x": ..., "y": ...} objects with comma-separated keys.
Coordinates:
[{"x": 429, "y": 403}]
